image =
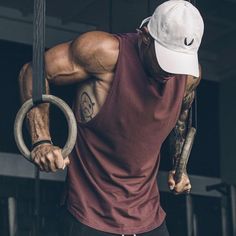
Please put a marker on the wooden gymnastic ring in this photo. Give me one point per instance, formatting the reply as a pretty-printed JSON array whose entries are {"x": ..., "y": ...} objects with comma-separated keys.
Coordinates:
[{"x": 71, "y": 121}]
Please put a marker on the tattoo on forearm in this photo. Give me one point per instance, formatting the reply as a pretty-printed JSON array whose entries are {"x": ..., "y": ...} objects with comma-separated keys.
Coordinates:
[
  {"x": 86, "y": 107},
  {"x": 178, "y": 134}
]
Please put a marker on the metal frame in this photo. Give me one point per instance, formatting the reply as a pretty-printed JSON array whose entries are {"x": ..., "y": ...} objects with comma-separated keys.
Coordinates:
[{"x": 12, "y": 216}]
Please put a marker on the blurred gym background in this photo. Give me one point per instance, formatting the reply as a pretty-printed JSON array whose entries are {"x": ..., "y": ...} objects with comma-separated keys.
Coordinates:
[{"x": 210, "y": 210}]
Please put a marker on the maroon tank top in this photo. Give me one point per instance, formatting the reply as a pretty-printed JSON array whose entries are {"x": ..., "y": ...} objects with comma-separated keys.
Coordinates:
[{"x": 112, "y": 178}]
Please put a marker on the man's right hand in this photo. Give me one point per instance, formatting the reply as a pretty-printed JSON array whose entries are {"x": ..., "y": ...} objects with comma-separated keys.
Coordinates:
[{"x": 49, "y": 158}]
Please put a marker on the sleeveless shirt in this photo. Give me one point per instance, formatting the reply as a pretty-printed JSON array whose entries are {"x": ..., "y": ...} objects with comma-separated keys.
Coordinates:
[{"x": 111, "y": 181}]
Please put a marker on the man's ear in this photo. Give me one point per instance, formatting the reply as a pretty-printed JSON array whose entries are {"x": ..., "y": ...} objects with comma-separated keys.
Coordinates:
[{"x": 146, "y": 38}]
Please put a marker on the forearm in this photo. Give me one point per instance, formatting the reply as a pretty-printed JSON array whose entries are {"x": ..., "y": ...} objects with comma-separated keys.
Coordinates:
[
  {"x": 177, "y": 138},
  {"x": 38, "y": 117},
  {"x": 178, "y": 134}
]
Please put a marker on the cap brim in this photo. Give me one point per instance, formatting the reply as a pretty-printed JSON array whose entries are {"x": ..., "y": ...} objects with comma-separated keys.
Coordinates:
[{"x": 177, "y": 62}]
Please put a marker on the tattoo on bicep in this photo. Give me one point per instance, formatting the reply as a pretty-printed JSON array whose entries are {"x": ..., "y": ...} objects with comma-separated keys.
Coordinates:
[{"x": 86, "y": 107}]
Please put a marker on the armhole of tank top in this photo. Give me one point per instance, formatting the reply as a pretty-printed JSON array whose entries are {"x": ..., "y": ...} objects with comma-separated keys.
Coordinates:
[{"x": 115, "y": 81}]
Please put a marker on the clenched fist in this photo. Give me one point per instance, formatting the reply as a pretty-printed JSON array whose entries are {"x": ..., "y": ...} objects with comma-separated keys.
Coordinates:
[
  {"x": 183, "y": 186},
  {"x": 49, "y": 158}
]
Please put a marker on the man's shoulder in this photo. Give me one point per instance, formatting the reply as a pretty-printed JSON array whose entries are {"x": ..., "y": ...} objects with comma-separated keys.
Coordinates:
[
  {"x": 96, "y": 47},
  {"x": 94, "y": 42}
]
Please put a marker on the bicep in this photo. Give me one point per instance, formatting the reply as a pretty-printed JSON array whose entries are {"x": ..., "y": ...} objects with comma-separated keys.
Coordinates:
[{"x": 60, "y": 66}]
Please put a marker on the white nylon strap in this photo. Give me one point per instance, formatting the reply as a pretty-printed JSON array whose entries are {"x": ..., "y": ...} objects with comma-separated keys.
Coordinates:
[{"x": 124, "y": 235}]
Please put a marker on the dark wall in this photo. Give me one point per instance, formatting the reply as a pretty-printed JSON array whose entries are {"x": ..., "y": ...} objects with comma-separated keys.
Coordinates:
[
  {"x": 205, "y": 158},
  {"x": 12, "y": 57},
  {"x": 228, "y": 130}
]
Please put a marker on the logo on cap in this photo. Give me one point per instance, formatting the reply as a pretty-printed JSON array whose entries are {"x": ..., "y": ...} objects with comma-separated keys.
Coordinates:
[{"x": 186, "y": 42}]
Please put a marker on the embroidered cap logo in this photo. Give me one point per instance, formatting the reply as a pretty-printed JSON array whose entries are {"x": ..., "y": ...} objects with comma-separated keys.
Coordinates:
[{"x": 186, "y": 42}]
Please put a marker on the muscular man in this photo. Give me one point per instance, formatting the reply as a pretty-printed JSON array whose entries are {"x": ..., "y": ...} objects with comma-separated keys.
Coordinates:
[{"x": 132, "y": 91}]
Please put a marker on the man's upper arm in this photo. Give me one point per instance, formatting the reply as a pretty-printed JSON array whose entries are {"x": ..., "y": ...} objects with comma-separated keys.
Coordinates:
[
  {"x": 190, "y": 90},
  {"x": 93, "y": 53},
  {"x": 60, "y": 66}
]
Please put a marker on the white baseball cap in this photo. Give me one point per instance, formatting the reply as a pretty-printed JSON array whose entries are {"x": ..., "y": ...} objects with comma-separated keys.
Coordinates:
[{"x": 177, "y": 28}]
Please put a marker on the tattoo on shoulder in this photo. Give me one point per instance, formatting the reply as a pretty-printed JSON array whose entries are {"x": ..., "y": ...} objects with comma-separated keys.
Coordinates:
[{"x": 86, "y": 107}]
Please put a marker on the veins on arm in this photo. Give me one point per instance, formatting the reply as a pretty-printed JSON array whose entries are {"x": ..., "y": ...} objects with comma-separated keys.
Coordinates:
[{"x": 37, "y": 118}]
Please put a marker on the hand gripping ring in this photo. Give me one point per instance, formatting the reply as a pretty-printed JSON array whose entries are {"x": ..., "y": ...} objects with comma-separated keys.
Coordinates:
[{"x": 27, "y": 106}]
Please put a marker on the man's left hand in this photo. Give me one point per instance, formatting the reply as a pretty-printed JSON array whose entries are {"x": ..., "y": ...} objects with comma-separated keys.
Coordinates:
[{"x": 183, "y": 186}]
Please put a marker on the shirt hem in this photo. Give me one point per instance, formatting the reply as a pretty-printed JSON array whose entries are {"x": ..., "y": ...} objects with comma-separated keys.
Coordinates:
[{"x": 126, "y": 230}]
